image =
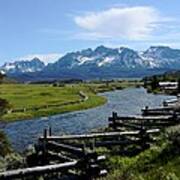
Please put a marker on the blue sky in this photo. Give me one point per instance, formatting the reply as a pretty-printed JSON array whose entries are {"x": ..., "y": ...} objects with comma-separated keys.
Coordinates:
[{"x": 50, "y": 28}]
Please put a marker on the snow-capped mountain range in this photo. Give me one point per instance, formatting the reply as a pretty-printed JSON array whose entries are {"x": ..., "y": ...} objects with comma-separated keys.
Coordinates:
[
  {"x": 23, "y": 66},
  {"x": 101, "y": 62}
]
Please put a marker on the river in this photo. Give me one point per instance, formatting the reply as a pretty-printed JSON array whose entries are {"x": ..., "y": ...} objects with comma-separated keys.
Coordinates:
[{"x": 125, "y": 102}]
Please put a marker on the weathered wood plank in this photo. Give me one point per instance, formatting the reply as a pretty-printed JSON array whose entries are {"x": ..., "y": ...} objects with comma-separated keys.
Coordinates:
[
  {"x": 157, "y": 113},
  {"x": 113, "y": 143},
  {"x": 57, "y": 147},
  {"x": 37, "y": 170},
  {"x": 124, "y": 124},
  {"x": 97, "y": 135},
  {"x": 160, "y": 111},
  {"x": 58, "y": 156},
  {"x": 170, "y": 102},
  {"x": 143, "y": 118},
  {"x": 139, "y": 125},
  {"x": 161, "y": 108},
  {"x": 158, "y": 124}
]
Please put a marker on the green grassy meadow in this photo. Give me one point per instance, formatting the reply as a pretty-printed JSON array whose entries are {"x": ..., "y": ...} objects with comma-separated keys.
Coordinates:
[{"x": 30, "y": 101}]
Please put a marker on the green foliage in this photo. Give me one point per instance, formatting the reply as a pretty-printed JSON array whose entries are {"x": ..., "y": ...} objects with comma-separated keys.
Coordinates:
[
  {"x": 154, "y": 83},
  {"x": 4, "y": 105},
  {"x": 160, "y": 162},
  {"x": 1, "y": 77},
  {"x": 4, "y": 145},
  {"x": 168, "y": 76},
  {"x": 11, "y": 161}
]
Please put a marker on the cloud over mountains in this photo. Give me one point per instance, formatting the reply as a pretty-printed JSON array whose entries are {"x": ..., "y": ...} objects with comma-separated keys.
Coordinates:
[{"x": 132, "y": 23}]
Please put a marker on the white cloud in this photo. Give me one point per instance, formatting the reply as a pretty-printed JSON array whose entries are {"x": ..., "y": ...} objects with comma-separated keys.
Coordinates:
[
  {"x": 131, "y": 23},
  {"x": 46, "y": 58}
]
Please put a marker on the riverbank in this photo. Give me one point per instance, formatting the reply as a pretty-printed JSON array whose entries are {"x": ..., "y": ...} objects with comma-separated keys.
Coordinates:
[{"x": 33, "y": 101}]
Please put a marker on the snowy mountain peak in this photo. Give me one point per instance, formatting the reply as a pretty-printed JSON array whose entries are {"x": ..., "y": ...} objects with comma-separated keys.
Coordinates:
[{"x": 24, "y": 66}]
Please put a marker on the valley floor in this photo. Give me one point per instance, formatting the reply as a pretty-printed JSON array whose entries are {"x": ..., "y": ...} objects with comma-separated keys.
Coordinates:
[{"x": 31, "y": 101}]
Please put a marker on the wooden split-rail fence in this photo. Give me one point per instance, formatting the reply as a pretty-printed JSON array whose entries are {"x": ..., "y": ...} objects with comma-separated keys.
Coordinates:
[
  {"x": 76, "y": 154},
  {"x": 144, "y": 121},
  {"x": 160, "y": 117},
  {"x": 56, "y": 154}
]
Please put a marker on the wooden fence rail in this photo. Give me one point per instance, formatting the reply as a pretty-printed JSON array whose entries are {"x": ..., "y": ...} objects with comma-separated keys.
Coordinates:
[
  {"x": 54, "y": 146},
  {"x": 37, "y": 170},
  {"x": 159, "y": 111},
  {"x": 97, "y": 135},
  {"x": 142, "y": 118}
]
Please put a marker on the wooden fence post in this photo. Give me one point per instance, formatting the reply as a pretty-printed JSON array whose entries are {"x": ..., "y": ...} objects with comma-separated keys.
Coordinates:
[
  {"x": 114, "y": 118},
  {"x": 146, "y": 110},
  {"x": 44, "y": 146},
  {"x": 50, "y": 131}
]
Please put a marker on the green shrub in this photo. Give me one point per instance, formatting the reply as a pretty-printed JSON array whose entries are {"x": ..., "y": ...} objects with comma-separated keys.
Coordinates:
[{"x": 5, "y": 147}]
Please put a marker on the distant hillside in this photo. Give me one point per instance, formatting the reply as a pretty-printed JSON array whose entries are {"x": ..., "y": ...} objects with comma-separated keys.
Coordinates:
[{"x": 167, "y": 76}]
